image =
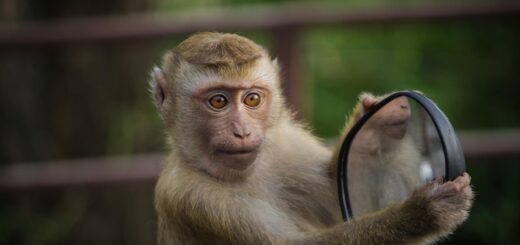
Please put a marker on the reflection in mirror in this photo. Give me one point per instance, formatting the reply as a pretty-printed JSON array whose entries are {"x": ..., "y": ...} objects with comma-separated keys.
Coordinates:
[{"x": 397, "y": 150}]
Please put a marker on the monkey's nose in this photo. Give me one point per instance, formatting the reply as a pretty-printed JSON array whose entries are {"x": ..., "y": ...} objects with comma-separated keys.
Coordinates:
[
  {"x": 240, "y": 130},
  {"x": 241, "y": 133}
]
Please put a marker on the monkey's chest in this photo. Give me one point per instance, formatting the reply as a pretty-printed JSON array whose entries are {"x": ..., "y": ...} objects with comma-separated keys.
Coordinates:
[{"x": 293, "y": 218}]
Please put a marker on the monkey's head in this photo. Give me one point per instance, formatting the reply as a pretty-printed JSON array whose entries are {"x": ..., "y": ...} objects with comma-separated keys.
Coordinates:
[{"x": 218, "y": 94}]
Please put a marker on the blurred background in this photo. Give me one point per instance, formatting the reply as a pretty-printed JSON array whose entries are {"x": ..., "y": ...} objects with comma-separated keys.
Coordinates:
[{"x": 81, "y": 141}]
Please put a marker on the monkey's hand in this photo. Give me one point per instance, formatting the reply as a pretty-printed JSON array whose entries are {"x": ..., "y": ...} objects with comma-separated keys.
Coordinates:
[
  {"x": 368, "y": 100},
  {"x": 446, "y": 204},
  {"x": 392, "y": 119},
  {"x": 433, "y": 211}
]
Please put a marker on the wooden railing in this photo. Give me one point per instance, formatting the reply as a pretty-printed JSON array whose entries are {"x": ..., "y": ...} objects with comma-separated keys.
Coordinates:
[{"x": 127, "y": 171}]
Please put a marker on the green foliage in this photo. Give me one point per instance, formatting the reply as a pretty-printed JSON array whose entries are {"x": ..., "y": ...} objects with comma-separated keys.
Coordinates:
[{"x": 468, "y": 69}]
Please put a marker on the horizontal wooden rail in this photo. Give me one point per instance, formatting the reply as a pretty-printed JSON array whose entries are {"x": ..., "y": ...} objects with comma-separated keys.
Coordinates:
[
  {"x": 144, "y": 169},
  {"x": 89, "y": 172},
  {"x": 495, "y": 143},
  {"x": 146, "y": 26}
]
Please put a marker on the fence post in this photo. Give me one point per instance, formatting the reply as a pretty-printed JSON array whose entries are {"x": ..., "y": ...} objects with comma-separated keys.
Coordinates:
[{"x": 287, "y": 47}]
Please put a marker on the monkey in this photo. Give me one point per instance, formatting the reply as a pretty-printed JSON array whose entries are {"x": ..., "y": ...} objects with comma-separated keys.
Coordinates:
[
  {"x": 242, "y": 170},
  {"x": 384, "y": 161}
]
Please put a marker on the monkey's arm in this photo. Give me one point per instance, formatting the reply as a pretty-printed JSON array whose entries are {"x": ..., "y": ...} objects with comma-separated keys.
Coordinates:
[
  {"x": 218, "y": 223},
  {"x": 394, "y": 225},
  {"x": 354, "y": 116},
  {"x": 432, "y": 212}
]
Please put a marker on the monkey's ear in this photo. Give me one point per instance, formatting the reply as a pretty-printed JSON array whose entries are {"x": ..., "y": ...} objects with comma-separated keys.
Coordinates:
[
  {"x": 276, "y": 69},
  {"x": 275, "y": 64},
  {"x": 158, "y": 86}
]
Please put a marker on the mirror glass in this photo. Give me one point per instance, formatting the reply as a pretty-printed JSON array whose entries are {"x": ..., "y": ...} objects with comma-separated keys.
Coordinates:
[{"x": 397, "y": 150}]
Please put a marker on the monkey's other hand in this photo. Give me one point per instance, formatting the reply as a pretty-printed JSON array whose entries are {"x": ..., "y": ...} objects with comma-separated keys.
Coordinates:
[
  {"x": 448, "y": 203},
  {"x": 392, "y": 119},
  {"x": 368, "y": 100}
]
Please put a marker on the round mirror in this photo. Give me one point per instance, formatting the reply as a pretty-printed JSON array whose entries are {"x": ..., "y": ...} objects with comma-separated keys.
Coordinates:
[{"x": 400, "y": 144}]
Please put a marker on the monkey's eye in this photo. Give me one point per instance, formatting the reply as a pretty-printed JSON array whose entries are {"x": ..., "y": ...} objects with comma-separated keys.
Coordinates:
[
  {"x": 218, "y": 101},
  {"x": 252, "y": 99}
]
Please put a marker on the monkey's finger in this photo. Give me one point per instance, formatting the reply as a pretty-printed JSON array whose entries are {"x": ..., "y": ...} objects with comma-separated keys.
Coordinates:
[
  {"x": 468, "y": 197},
  {"x": 468, "y": 191},
  {"x": 368, "y": 100},
  {"x": 463, "y": 180},
  {"x": 449, "y": 186},
  {"x": 460, "y": 184},
  {"x": 467, "y": 175},
  {"x": 438, "y": 179}
]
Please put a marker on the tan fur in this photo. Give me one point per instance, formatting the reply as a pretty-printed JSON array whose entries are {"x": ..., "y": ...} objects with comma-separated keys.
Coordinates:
[{"x": 286, "y": 193}]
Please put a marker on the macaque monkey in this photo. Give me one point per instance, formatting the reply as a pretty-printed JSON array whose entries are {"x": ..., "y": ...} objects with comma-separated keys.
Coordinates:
[
  {"x": 384, "y": 162},
  {"x": 241, "y": 170}
]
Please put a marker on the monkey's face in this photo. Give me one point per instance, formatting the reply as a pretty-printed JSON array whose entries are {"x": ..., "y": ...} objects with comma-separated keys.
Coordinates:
[{"x": 236, "y": 117}]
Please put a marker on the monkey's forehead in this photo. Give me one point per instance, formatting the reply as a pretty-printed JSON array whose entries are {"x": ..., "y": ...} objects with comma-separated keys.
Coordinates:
[{"x": 263, "y": 72}]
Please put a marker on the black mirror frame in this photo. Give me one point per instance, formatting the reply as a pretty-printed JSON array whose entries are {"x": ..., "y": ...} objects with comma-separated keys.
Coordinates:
[{"x": 453, "y": 153}]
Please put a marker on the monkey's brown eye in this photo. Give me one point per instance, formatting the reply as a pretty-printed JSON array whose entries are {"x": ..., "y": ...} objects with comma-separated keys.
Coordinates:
[
  {"x": 218, "y": 101},
  {"x": 252, "y": 99}
]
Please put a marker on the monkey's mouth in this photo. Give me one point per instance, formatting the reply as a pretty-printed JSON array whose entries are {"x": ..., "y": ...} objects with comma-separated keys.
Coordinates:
[
  {"x": 396, "y": 123},
  {"x": 236, "y": 152},
  {"x": 238, "y": 159}
]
